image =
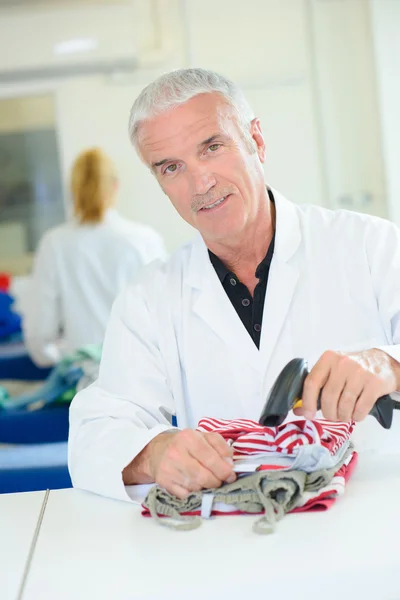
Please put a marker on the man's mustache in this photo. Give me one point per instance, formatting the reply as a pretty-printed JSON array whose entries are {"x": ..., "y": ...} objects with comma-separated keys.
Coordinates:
[{"x": 209, "y": 198}]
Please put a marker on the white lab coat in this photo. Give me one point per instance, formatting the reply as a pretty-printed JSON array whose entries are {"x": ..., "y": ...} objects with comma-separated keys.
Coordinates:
[
  {"x": 78, "y": 272},
  {"x": 175, "y": 344}
]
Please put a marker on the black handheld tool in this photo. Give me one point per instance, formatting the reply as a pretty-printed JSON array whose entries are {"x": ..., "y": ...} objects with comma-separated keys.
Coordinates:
[{"x": 287, "y": 392}]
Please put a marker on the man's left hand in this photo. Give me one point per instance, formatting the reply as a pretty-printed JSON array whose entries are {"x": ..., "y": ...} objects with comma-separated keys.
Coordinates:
[{"x": 350, "y": 383}]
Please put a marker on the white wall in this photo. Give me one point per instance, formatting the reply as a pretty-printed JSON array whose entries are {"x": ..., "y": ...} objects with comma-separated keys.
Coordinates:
[
  {"x": 386, "y": 31},
  {"x": 22, "y": 114}
]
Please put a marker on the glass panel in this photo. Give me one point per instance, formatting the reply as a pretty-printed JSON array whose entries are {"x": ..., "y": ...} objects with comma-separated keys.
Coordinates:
[{"x": 31, "y": 198}]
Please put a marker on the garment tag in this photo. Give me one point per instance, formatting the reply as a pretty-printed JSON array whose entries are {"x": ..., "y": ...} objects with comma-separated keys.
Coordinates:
[{"x": 206, "y": 505}]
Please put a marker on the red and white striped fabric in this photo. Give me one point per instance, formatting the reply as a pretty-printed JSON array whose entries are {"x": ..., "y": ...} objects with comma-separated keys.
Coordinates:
[{"x": 250, "y": 439}]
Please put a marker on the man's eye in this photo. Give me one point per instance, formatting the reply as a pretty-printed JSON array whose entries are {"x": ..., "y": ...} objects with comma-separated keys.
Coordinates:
[
  {"x": 214, "y": 147},
  {"x": 171, "y": 168}
]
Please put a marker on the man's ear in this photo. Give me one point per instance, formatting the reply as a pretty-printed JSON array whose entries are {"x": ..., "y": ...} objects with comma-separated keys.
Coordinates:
[{"x": 257, "y": 136}]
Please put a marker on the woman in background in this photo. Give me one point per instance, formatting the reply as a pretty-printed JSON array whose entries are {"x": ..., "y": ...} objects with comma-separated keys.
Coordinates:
[{"x": 81, "y": 266}]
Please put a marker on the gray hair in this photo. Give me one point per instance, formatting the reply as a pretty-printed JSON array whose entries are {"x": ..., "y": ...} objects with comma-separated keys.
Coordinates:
[{"x": 177, "y": 87}]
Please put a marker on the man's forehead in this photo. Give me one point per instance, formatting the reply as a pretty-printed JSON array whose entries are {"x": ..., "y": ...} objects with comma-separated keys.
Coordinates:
[{"x": 192, "y": 122}]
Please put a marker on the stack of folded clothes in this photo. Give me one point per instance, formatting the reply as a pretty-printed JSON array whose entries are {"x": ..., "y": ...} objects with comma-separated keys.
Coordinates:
[{"x": 295, "y": 467}]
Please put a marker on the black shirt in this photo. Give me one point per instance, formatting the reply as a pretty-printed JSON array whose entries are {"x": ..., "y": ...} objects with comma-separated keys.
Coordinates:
[{"x": 250, "y": 310}]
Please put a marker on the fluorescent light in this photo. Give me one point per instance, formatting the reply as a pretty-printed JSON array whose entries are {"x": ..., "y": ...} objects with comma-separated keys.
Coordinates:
[{"x": 75, "y": 46}]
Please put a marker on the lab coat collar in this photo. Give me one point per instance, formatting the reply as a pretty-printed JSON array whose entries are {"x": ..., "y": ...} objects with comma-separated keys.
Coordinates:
[{"x": 288, "y": 233}]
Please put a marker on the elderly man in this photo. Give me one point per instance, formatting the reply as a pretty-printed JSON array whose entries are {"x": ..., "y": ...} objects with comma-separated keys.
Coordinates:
[{"x": 207, "y": 333}]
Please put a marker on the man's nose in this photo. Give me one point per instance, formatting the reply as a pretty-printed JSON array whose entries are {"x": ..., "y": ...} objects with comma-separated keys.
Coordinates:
[{"x": 202, "y": 180}]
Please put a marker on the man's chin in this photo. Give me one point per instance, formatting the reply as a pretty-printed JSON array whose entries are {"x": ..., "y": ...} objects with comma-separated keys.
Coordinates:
[{"x": 222, "y": 235}]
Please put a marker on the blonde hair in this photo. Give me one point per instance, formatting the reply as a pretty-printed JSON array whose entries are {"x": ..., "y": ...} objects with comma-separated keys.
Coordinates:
[{"x": 93, "y": 180}]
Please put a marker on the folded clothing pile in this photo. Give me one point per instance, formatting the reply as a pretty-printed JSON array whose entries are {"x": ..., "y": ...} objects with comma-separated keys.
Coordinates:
[
  {"x": 74, "y": 372},
  {"x": 298, "y": 466}
]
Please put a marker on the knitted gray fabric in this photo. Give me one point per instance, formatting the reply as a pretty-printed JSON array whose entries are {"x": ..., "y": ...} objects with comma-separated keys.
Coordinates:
[{"x": 272, "y": 492}]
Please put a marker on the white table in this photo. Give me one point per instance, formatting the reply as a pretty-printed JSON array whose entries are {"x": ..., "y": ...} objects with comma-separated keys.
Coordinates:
[
  {"x": 91, "y": 547},
  {"x": 19, "y": 515}
]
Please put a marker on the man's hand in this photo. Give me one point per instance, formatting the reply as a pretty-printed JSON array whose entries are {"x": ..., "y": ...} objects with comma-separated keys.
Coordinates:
[
  {"x": 350, "y": 383},
  {"x": 183, "y": 462}
]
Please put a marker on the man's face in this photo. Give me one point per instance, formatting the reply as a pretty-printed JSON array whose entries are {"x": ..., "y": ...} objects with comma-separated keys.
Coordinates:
[{"x": 210, "y": 172}]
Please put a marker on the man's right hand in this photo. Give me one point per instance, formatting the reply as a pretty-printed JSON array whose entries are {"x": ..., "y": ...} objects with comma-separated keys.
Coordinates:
[{"x": 183, "y": 462}]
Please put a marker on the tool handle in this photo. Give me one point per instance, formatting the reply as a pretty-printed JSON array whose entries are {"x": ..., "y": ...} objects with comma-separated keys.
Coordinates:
[{"x": 382, "y": 410}]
